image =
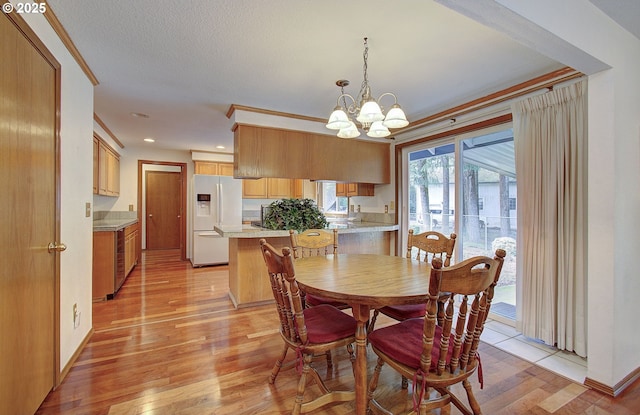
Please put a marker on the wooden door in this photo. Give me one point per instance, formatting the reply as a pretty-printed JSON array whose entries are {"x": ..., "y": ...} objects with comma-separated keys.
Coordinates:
[
  {"x": 163, "y": 209},
  {"x": 29, "y": 186}
]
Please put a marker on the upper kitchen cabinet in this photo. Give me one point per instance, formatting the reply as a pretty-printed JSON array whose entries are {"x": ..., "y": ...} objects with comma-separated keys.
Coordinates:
[
  {"x": 271, "y": 188},
  {"x": 213, "y": 168},
  {"x": 273, "y": 152},
  {"x": 96, "y": 165},
  {"x": 254, "y": 189},
  {"x": 354, "y": 189},
  {"x": 106, "y": 175}
]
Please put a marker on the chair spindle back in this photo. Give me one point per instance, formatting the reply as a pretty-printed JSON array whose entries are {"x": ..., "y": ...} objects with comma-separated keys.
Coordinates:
[
  {"x": 314, "y": 242},
  {"x": 472, "y": 280},
  {"x": 430, "y": 245},
  {"x": 285, "y": 292}
]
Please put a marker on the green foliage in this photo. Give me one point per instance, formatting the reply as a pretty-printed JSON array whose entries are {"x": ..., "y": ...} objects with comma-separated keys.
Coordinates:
[{"x": 297, "y": 214}]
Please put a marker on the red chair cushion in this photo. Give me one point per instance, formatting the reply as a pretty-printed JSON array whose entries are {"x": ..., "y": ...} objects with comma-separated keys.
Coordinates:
[
  {"x": 326, "y": 324},
  {"x": 403, "y": 342},
  {"x": 314, "y": 300},
  {"x": 405, "y": 311}
]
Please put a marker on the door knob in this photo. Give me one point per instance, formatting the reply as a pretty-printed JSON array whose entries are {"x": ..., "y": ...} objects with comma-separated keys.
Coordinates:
[
  {"x": 56, "y": 247},
  {"x": 150, "y": 215}
]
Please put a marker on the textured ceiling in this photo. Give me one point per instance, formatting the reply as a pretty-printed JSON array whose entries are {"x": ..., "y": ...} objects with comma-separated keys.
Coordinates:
[{"x": 184, "y": 63}]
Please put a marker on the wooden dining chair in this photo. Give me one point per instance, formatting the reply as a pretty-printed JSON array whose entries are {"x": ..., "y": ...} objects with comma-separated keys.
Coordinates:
[
  {"x": 314, "y": 242},
  {"x": 424, "y": 247},
  {"x": 308, "y": 331},
  {"x": 440, "y": 356}
]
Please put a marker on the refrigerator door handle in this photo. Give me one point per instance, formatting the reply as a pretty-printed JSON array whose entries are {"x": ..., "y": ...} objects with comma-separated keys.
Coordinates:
[{"x": 220, "y": 204}]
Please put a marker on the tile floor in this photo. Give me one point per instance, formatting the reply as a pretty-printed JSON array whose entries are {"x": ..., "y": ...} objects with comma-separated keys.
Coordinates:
[{"x": 506, "y": 338}]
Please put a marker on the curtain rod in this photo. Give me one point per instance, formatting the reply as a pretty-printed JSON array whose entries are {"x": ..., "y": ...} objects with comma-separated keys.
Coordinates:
[{"x": 547, "y": 81}]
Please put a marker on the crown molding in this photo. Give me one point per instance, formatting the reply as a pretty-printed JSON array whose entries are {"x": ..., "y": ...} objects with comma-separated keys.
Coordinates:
[{"x": 68, "y": 43}]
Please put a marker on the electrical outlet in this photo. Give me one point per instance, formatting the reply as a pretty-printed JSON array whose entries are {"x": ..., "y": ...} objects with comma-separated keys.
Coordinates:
[
  {"x": 130, "y": 208},
  {"x": 87, "y": 210},
  {"x": 392, "y": 205}
]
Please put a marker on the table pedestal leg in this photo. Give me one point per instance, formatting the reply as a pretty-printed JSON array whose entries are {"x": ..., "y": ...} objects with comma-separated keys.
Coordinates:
[{"x": 361, "y": 314}]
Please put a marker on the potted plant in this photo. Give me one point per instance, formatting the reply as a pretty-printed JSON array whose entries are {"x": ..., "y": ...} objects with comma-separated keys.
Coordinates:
[{"x": 297, "y": 214}]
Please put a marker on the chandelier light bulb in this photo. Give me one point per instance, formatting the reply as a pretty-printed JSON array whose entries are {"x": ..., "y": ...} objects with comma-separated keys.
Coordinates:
[
  {"x": 395, "y": 118},
  {"x": 338, "y": 119},
  {"x": 350, "y": 132},
  {"x": 378, "y": 130},
  {"x": 370, "y": 112}
]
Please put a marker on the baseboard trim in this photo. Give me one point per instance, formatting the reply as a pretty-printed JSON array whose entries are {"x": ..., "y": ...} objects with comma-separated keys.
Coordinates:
[
  {"x": 616, "y": 389},
  {"x": 74, "y": 357}
]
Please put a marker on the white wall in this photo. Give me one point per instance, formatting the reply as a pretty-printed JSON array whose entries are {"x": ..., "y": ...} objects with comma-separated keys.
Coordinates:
[
  {"x": 76, "y": 140},
  {"x": 578, "y": 34},
  {"x": 614, "y": 160}
]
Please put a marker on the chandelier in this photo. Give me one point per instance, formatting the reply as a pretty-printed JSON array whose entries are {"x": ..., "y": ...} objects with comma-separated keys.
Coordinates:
[{"x": 365, "y": 109}]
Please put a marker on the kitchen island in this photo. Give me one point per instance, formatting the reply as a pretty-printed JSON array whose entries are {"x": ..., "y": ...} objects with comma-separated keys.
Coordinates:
[{"x": 248, "y": 282}]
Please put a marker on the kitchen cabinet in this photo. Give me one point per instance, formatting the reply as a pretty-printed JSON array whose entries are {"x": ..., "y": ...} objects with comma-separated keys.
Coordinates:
[
  {"x": 279, "y": 188},
  {"x": 96, "y": 169},
  {"x": 359, "y": 189},
  {"x": 254, "y": 189},
  {"x": 271, "y": 152},
  {"x": 272, "y": 188},
  {"x": 298, "y": 188},
  {"x": 213, "y": 168},
  {"x": 106, "y": 175},
  {"x": 115, "y": 254},
  {"x": 354, "y": 189},
  {"x": 131, "y": 236}
]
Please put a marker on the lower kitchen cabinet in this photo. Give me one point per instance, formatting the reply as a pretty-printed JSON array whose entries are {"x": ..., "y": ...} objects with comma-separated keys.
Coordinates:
[
  {"x": 115, "y": 254},
  {"x": 131, "y": 236}
]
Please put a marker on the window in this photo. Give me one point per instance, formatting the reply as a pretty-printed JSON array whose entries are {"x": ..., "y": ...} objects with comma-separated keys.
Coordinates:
[
  {"x": 481, "y": 203},
  {"x": 328, "y": 202},
  {"x": 512, "y": 203}
]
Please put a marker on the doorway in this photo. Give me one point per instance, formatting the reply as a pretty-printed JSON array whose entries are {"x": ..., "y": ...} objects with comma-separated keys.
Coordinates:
[
  {"x": 466, "y": 184},
  {"x": 164, "y": 185},
  {"x": 29, "y": 217}
]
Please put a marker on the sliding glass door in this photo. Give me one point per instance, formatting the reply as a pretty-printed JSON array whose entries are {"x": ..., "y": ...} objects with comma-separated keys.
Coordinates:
[{"x": 467, "y": 185}]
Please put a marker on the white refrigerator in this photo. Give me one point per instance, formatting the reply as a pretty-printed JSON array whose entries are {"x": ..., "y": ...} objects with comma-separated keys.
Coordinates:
[{"x": 217, "y": 201}]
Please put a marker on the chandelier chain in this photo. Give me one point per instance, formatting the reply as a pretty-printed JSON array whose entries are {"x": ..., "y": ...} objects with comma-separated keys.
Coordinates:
[{"x": 365, "y": 79}]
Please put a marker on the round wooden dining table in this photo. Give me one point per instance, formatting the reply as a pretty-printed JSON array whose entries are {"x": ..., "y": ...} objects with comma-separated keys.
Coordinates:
[{"x": 364, "y": 281}]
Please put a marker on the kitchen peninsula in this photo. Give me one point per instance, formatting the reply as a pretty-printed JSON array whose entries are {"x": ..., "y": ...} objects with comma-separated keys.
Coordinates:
[{"x": 248, "y": 282}]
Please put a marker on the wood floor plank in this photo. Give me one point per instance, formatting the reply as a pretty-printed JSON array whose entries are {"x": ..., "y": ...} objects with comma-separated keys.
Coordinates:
[{"x": 172, "y": 343}]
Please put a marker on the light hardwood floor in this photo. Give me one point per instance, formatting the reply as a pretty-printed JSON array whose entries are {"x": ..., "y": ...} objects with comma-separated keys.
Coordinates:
[{"x": 172, "y": 343}]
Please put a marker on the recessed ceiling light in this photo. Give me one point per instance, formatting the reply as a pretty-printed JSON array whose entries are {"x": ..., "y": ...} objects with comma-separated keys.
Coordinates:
[
  {"x": 220, "y": 147},
  {"x": 139, "y": 115},
  {"x": 149, "y": 140}
]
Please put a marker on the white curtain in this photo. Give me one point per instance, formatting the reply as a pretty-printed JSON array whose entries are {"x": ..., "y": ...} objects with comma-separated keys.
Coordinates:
[{"x": 550, "y": 136}]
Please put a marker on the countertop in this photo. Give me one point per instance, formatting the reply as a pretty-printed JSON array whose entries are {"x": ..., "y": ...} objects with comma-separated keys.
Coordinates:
[
  {"x": 250, "y": 231},
  {"x": 112, "y": 225}
]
